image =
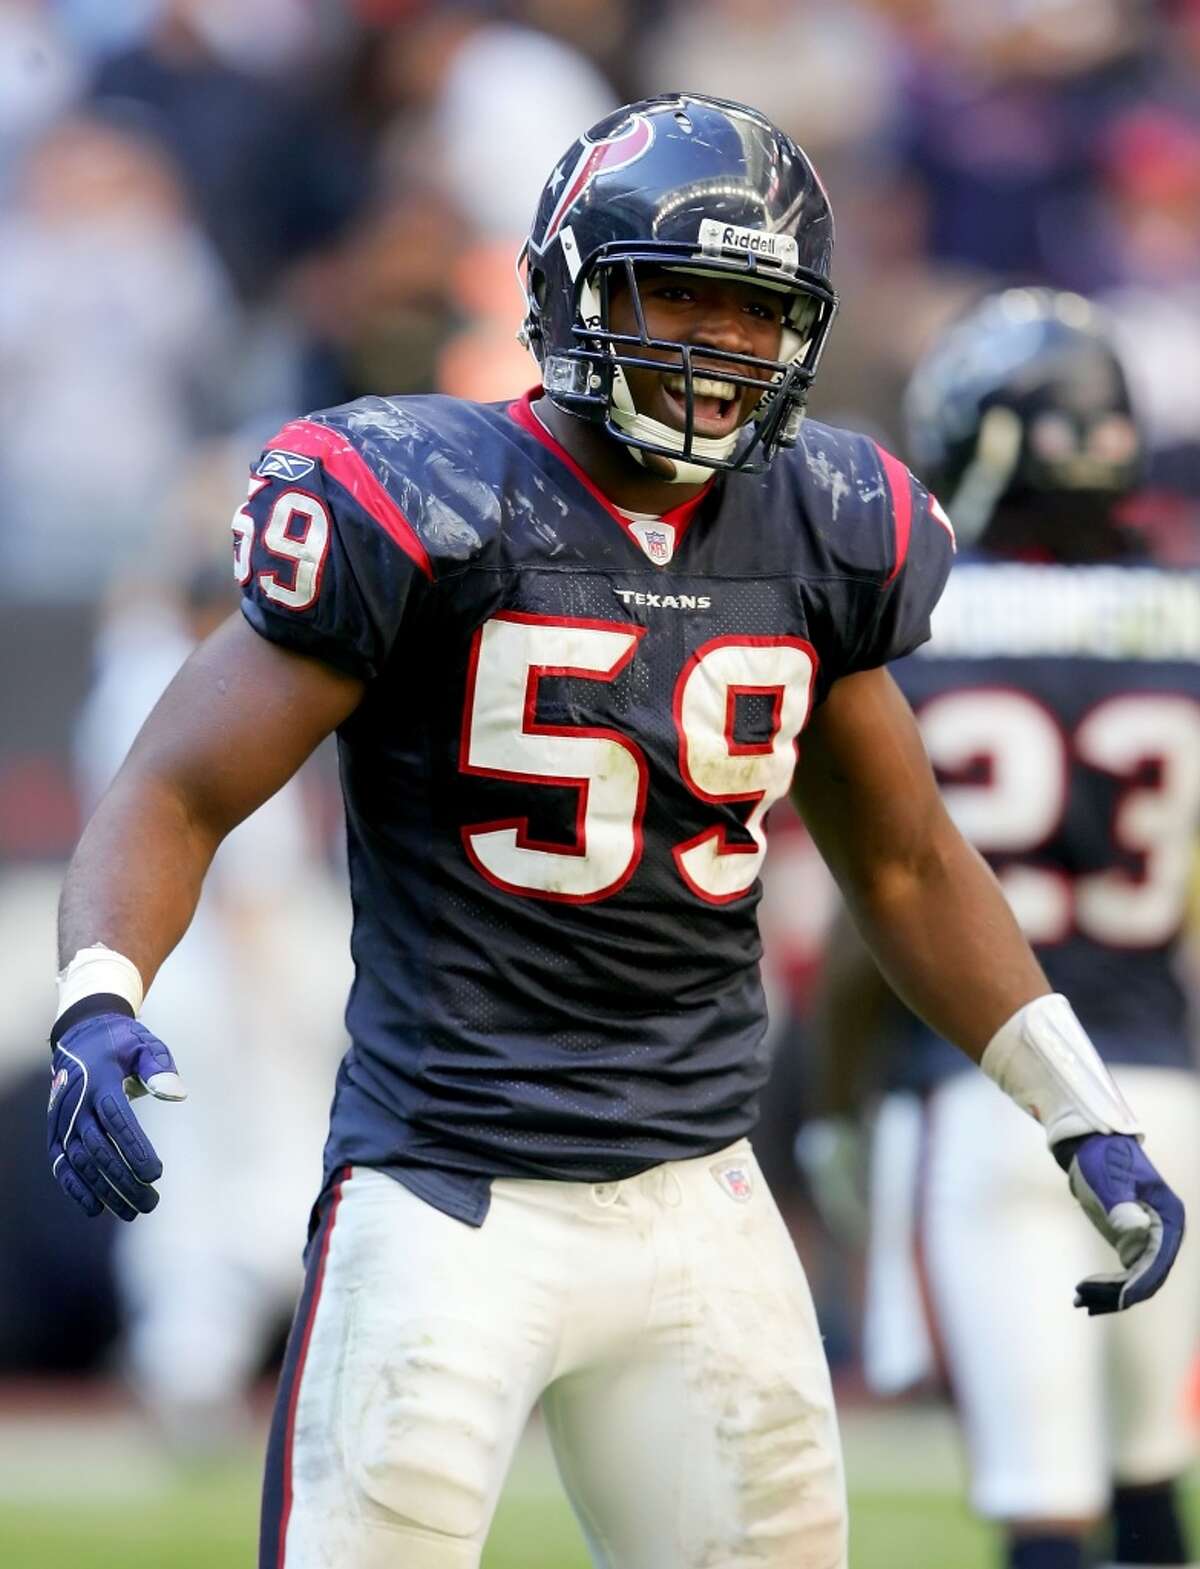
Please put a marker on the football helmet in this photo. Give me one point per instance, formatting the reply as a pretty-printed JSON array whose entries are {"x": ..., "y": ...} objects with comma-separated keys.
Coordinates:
[
  {"x": 1022, "y": 407},
  {"x": 707, "y": 186}
]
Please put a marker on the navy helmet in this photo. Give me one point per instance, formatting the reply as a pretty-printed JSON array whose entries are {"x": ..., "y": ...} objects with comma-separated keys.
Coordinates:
[
  {"x": 1022, "y": 406},
  {"x": 698, "y": 183}
]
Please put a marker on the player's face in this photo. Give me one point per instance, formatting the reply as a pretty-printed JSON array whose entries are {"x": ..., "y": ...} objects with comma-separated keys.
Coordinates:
[{"x": 717, "y": 313}]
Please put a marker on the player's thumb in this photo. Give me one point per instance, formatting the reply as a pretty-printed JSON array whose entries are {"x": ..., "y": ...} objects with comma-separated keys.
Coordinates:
[
  {"x": 155, "y": 1073},
  {"x": 1135, "y": 1227},
  {"x": 166, "y": 1086}
]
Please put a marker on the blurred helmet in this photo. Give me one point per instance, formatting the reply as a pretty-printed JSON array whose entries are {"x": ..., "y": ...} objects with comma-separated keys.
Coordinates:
[
  {"x": 1023, "y": 405},
  {"x": 704, "y": 185}
]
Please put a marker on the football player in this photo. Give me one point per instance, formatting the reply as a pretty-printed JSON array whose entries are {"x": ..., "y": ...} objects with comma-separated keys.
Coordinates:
[
  {"x": 568, "y": 644},
  {"x": 1059, "y": 699}
]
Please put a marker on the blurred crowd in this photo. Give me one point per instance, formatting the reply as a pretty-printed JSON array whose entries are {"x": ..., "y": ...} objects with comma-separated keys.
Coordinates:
[{"x": 216, "y": 214}]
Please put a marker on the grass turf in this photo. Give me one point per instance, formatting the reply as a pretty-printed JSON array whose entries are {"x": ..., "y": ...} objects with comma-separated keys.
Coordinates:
[
  {"x": 206, "y": 1519},
  {"x": 208, "y": 1522}
]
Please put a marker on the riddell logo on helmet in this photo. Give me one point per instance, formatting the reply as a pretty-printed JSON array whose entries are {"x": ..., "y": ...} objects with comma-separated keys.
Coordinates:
[{"x": 716, "y": 237}]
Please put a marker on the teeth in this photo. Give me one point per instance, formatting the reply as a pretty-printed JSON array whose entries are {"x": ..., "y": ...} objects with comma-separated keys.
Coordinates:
[{"x": 702, "y": 386}]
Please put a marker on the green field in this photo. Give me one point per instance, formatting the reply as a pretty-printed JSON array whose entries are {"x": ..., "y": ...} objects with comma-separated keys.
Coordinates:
[
  {"x": 94, "y": 1495},
  {"x": 210, "y": 1525}
]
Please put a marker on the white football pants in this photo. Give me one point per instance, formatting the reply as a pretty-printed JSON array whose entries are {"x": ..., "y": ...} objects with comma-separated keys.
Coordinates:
[
  {"x": 664, "y": 1322},
  {"x": 1055, "y": 1404}
]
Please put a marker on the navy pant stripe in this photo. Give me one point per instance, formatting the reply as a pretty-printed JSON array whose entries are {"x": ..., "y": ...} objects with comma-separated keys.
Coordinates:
[{"x": 277, "y": 1478}]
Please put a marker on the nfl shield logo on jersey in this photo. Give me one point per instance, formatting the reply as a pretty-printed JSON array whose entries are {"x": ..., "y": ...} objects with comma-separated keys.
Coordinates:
[
  {"x": 656, "y": 539},
  {"x": 735, "y": 1179}
]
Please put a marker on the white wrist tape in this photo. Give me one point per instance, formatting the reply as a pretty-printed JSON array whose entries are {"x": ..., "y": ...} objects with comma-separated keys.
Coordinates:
[
  {"x": 1043, "y": 1059},
  {"x": 99, "y": 969}
]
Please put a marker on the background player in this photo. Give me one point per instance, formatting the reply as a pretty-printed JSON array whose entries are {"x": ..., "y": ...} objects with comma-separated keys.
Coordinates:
[
  {"x": 1059, "y": 699},
  {"x": 568, "y": 668}
]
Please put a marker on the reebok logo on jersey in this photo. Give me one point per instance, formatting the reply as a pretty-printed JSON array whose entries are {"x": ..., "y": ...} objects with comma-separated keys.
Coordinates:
[
  {"x": 285, "y": 465},
  {"x": 632, "y": 596}
]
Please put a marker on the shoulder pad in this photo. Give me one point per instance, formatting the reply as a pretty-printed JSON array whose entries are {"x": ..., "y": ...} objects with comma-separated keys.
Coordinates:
[
  {"x": 859, "y": 499},
  {"x": 414, "y": 465}
]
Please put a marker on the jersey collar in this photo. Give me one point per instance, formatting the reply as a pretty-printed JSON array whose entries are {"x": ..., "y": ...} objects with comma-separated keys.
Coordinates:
[{"x": 521, "y": 412}]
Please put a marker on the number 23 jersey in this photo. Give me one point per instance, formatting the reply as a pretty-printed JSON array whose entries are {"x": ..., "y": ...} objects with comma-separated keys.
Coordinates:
[
  {"x": 575, "y": 721},
  {"x": 1060, "y": 705}
]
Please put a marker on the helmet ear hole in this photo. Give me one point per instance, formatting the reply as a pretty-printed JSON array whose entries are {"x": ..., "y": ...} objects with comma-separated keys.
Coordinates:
[{"x": 537, "y": 287}]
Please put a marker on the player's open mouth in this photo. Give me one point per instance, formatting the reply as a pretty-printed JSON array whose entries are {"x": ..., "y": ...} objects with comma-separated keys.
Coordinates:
[{"x": 716, "y": 404}]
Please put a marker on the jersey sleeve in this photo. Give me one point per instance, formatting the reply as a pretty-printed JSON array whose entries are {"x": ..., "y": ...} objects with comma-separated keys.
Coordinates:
[
  {"x": 922, "y": 554},
  {"x": 327, "y": 561}
]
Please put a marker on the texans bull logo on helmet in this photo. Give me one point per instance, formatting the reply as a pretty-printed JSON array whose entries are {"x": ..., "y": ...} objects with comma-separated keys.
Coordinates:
[{"x": 614, "y": 152}]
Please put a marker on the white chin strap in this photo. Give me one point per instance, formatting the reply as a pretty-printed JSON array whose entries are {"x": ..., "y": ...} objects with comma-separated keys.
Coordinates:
[
  {"x": 684, "y": 472},
  {"x": 641, "y": 426}
]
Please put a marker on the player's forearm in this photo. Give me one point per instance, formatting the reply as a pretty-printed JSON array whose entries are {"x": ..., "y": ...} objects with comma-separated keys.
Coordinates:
[
  {"x": 944, "y": 937},
  {"x": 923, "y": 899},
  {"x": 853, "y": 1010},
  {"x": 135, "y": 879}
]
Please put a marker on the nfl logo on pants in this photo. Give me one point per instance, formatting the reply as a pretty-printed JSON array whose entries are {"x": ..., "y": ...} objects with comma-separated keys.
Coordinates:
[{"x": 735, "y": 1180}]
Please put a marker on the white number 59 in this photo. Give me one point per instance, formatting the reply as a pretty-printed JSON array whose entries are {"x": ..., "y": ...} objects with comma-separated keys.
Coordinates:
[
  {"x": 297, "y": 532},
  {"x": 504, "y": 739}
]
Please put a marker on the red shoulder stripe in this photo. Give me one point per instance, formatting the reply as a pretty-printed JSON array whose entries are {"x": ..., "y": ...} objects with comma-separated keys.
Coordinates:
[
  {"x": 345, "y": 463},
  {"x": 900, "y": 486}
]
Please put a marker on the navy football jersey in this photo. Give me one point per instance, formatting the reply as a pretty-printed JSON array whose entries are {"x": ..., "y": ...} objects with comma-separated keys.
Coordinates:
[
  {"x": 575, "y": 721},
  {"x": 1060, "y": 706}
]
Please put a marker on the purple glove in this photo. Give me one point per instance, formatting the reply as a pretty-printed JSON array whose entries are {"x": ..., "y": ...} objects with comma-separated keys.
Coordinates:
[
  {"x": 98, "y": 1153},
  {"x": 1131, "y": 1207}
]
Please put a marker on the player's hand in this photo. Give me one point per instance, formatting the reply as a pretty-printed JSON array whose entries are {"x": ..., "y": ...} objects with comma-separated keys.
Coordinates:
[
  {"x": 98, "y": 1152},
  {"x": 1132, "y": 1207},
  {"x": 830, "y": 1152}
]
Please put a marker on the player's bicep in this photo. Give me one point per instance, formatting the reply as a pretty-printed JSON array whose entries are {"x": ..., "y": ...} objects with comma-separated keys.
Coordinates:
[
  {"x": 864, "y": 785},
  {"x": 237, "y": 722}
]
